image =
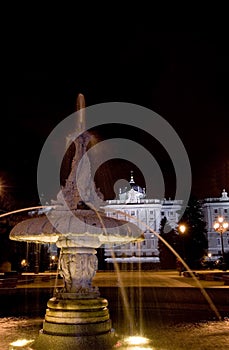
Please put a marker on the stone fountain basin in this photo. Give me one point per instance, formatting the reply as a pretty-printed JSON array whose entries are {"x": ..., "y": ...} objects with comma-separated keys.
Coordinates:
[{"x": 76, "y": 228}]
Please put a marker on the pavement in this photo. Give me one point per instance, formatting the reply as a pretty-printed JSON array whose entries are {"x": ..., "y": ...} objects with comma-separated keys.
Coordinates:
[
  {"x": 147, "y": 278},
  {"x": 165, "y": 290}
]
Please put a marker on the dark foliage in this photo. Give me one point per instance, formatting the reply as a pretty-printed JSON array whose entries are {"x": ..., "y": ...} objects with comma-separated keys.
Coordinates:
[
  {"x": 190, "y": 245},
  {"x": 195, "y": 237},
  {"x": 167, "y": 257}
]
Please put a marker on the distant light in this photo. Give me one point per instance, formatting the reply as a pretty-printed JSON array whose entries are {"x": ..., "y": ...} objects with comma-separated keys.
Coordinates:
[
  {"x": 24, "y": 263},
  {"x": 182, "y": 228},
  {"x": 216, "y": 225},
  {"x": 220, "y": 225}
]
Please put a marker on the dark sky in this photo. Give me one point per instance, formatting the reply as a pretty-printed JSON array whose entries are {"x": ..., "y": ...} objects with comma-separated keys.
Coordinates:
[{"x": 181, "y": 75}]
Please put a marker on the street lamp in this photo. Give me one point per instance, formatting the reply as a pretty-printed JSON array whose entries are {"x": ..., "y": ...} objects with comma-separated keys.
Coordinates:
[
  {"x": 182, "y": 228},
  {"x": 221, "y": 226}
]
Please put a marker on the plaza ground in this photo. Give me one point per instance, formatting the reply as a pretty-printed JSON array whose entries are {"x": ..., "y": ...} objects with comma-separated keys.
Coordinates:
[
  {"x": 148, "y": 290},
  {"x": 161, "y": 278}
]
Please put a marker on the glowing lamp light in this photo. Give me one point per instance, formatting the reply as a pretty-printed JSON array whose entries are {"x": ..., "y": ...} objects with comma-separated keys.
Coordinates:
[
  {"x": 182, "y": 228},
  {"x": 24, "y": 263},
  {"x": 20, "y": 344},
  {"x": 220, "y": 219},
  {"x": 220, "y": 225},
  {"x": 136, "y": 341},
  {"x": 216, "y": 225}
]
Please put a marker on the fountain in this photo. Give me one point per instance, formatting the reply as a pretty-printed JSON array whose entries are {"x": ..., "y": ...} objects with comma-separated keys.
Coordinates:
[{"x": 76, "y": 317}]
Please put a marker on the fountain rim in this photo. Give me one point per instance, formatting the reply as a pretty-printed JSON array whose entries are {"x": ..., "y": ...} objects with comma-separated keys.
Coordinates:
[{"x": 99, "y": 227}]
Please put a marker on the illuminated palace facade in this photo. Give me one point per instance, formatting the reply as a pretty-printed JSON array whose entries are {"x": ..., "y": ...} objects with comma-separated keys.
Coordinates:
[
  {"x": 212, "y": 209},
  {"x": 133, "y": 205}
]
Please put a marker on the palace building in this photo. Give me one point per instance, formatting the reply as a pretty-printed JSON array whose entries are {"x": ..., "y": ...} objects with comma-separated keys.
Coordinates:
[
  {"x": 133, "y": 205},
  {"x": 212, "y": 209}
]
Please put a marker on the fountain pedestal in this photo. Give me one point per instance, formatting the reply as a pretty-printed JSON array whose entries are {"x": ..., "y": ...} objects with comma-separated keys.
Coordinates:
[
  {"x": 76, "y": 318},
  {"x": 76, "y": 324}
]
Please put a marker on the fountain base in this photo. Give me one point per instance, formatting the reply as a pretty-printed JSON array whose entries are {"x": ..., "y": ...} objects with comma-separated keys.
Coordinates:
[{"x": 76, "y": 324}]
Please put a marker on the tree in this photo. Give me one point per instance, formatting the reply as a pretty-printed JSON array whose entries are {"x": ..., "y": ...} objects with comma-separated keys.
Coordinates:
[
  {"x": 167, "y": 257},
  {"x": 190, "y": 245},
  {"x": 194, "y": 239}
]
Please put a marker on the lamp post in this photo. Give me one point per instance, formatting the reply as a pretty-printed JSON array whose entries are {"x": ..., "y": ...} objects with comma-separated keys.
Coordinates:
[
  {"x": 221, "y": 226},
  {"x": 182, "y": 228}
]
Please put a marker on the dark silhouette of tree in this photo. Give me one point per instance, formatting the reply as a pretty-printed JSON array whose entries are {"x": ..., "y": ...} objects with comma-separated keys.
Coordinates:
[
  {"x": 194, "y": 239},
  {"x": 167, "y": 257},
  {"x": 190, "y": 245}
]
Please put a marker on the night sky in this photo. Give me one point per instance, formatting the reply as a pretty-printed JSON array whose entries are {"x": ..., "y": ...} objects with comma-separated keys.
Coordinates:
[{"x": 181, "y": 75}]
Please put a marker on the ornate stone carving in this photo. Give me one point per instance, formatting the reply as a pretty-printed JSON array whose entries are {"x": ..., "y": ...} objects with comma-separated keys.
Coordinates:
[{"x": 78, "y": 267}]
